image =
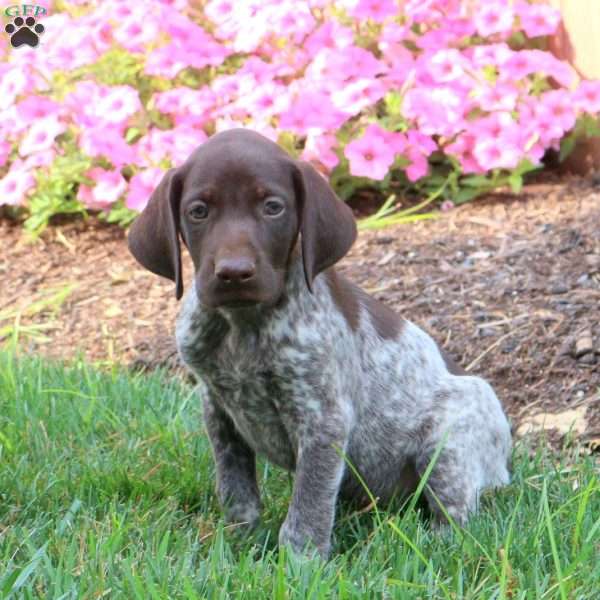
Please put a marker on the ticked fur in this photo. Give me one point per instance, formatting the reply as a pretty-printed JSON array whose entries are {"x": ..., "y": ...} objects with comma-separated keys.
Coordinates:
[{"x": 312, "y": 385}]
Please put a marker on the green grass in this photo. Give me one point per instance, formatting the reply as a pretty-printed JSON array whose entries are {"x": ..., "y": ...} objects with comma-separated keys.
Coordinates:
[{"x": 106, "y": 491}]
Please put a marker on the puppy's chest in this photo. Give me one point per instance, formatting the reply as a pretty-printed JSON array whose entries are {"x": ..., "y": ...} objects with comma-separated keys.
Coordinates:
[{"x": 249, "y": 384}]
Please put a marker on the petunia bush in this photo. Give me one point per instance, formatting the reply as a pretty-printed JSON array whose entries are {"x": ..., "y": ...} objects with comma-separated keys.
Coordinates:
[{"x": 442, "y": 97}]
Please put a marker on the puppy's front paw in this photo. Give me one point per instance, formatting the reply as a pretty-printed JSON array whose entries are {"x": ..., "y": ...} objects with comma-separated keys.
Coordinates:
[
  {"x": 302, "y": 541},
  {"x": 243, "y": 513}
]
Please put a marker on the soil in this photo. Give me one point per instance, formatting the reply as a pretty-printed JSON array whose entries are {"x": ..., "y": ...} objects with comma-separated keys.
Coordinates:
[{"x": 508, "y": 285}]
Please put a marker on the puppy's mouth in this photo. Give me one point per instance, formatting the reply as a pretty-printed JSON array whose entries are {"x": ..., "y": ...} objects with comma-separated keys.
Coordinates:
[
  {"x": 237, "y": 303},
  {"x": 232, "y": 298},
  {"x": 262, "y": 291}
]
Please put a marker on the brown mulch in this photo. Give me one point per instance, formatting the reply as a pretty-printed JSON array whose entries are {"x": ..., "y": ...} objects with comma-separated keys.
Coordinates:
[{"x": 509, "y": 285}]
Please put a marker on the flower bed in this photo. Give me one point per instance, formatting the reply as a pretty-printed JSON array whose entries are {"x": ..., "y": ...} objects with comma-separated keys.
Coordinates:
[{"x": 445, "y": 97}]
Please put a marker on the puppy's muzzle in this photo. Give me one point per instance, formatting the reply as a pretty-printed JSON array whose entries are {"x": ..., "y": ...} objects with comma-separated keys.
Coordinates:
[{"x": 235, "y": 270}]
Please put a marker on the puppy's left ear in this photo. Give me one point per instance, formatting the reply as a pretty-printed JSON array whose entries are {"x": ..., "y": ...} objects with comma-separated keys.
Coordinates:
[
  {"x": 154, "y": 236},
  {"x": 327, "y": 225}
]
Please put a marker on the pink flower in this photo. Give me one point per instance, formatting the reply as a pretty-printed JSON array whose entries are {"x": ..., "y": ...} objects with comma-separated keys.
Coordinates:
[
  {"x": 219, "y": 10},
  {"x": 450, "y": 33},
  {"x": 107, "y": 142},
  {"x": 331, "y": 66},
  {"x": 162, "y": 62},
  {"x": 492, "y": 154},
  {"x": 537, "y": 19},
  {"x": 402, "y": 67},
  {"x": 109, "y": 186},
  {"x": 438, "y": 110},
  {"x": 311, "y": 111},
  {"x": 292, "y": 21},
  {"x": 560, "y": 105},
  {"x": 518, "y": 66},
  {"x": 392, "y": 37},
  {"x": 493, "y": 17},
  {"x": 587, "y": 96},
  {"x": 192, "y": 107},
  {"x": 35, "y": 107},
  {"x": 377, "y": 10},
  {"x": 490, "y": 54},
  {"x": 560, "y": 70},
  {"x": 262, "y": 127},
  {"x": 329, "y": 35},
  {"x": 135, "y": 32},
  {"x": 421, "y": 142},
  {"x": 462, "y": 149},
  {"x": 418, "y": 167},
  {"x": 176, "y": 144},
  {"x": 40, "y": 159},
  {"x": 11, "y": 126},
  {"x": 141, "y": 186},
  {"x": 538, "y": 124},
  {"x": 502, "y": 96},
  {"x": 5, "y": 149},
  {"x": 499, "y": 141},
  {"x": 118, "y": 104},
  {"x": 62, "y": 52},
  {"x": 266, "y": 100},
  {"x": 496, "y": 153},
  {"x": 12, "y": 83},
  {"x": 357, "y": 95},
  {"x": 496, "y": 125},
  {"x": 447, "y": 65},
  {"x": 100, "y": 32},
  {"x": 321, "y": 148},
  {"x": 419, "y": 147},
  {"x": 15, "y": 185},
  {"x": 526, "y": 62},
  {"x": 40, "y": 135},
  {"x": 372, "y": 155},
  {"x": 192, "y": 45}
]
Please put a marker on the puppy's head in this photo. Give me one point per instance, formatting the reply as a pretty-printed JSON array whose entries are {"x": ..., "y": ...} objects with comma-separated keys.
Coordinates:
[{"x": 239, "y": 203}]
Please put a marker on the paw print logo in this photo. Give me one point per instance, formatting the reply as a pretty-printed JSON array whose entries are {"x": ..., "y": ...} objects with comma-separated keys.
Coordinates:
[{"x": 24, "y": 31}]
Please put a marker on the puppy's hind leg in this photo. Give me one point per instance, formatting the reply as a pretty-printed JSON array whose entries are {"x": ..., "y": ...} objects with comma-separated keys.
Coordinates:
[
  {"x": 449, "y": 483},
  {"x": 470, "y": 449}
]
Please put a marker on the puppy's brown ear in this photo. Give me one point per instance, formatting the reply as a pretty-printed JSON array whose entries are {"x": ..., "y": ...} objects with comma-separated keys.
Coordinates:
[
  {"x": 327, "y": 224},
  {"x": 154, "y": 236}
]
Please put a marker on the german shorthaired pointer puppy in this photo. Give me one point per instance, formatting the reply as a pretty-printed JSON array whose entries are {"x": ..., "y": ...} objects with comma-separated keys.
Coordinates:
[{"x": 297, "y": 363}]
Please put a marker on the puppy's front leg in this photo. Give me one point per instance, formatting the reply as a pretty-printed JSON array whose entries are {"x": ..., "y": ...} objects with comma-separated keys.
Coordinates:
[
  {"x": 235, "y": 462},
  {"x": 319, "y": 470}
]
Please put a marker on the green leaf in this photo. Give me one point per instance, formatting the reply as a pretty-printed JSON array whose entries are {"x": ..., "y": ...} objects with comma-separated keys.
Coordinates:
[
  {"x": 393, "y": 103},
  {"x": 467, "y": 193},
  {"x": 567, "y": 145},
  {"x": 475, "y": 181},
  {"x": 287, "y": 141},
  {"x": 131, "y": 134},
  {"x": 516, "y": 183},
  {"x": 120, "y": 214}
]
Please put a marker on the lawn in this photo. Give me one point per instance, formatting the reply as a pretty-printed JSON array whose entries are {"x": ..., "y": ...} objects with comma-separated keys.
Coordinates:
[{"x": 106, "y": 490}]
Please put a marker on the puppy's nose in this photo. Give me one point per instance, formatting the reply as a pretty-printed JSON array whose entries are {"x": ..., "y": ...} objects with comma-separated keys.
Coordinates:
[{"x": 235, "y": 270}]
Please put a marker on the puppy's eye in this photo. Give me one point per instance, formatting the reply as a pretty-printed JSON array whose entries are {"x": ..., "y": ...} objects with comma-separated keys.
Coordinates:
[
  {"x": 273, "y": 207},
  {"x": 198, "y": 212}
]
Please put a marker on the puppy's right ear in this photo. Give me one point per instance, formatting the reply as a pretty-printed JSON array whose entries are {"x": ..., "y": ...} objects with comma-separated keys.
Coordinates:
[{"x": 154, "y": 236}]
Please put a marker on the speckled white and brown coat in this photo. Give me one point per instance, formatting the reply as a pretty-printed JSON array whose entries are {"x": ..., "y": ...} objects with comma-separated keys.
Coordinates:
[{"x": 323, "y": 377}]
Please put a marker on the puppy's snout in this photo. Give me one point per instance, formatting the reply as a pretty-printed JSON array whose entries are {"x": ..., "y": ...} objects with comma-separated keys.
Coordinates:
[{"x": 235, "y": 269}]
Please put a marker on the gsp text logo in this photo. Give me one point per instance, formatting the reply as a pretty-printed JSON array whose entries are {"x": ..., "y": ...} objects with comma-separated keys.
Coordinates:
[{"x": 24, "y": 30}]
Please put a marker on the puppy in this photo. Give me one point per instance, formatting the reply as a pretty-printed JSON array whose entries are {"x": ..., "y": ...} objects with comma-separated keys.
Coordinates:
[{"x": 298, "y": 364}]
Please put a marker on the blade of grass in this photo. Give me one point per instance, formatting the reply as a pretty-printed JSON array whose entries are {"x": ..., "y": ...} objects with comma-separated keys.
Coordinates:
[
  {"x": 507, "y": 543},
  {"x": 388, "y": 215},
  {"x": 420, "y": 556},
  {"x": 550, "y": 529},
  {"x": 372, "y": 499}
]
